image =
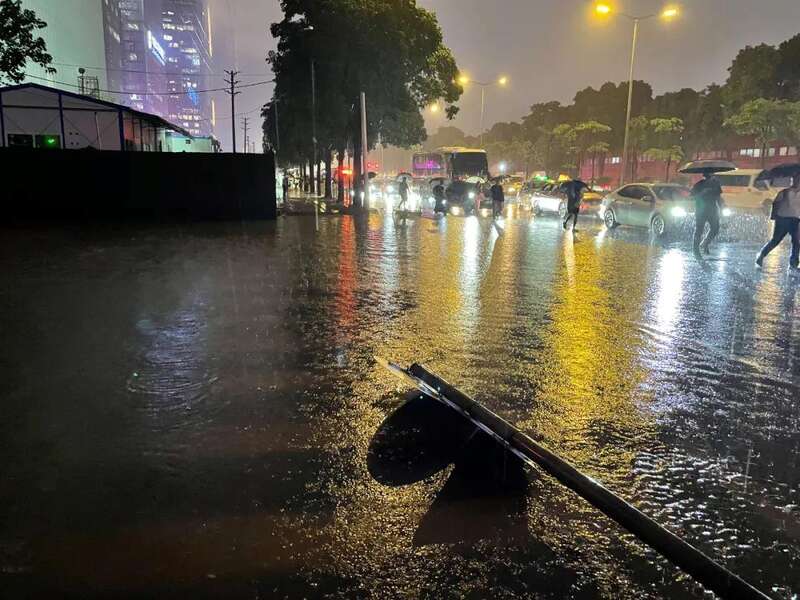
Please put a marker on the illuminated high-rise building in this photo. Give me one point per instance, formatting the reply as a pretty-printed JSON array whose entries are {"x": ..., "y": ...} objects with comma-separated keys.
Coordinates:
[{"x": 179, "y": 36}]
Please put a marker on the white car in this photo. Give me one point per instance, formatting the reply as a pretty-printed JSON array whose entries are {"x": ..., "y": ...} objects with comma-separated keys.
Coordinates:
[{"x": 741, "y": 189}]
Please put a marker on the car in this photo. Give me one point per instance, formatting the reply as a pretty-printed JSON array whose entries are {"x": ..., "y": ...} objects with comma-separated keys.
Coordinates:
[
  {"x": 511, "y": 185},
  {"x": 742, "y": 189},
  {"x": 661, "y": 207},
  {"x": 552, "y": 199}
]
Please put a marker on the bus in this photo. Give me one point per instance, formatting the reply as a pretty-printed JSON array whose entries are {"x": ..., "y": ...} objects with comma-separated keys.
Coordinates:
[{"x": 464, "y": 171}]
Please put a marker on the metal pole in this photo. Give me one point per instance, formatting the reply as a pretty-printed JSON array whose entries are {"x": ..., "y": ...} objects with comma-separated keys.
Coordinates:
[
  {"x": 245, "y": 126},
  {"x": 702, "y": 568},
  {"x": 233, "y": 93},
  {"x": 630, "y": 105},
  {"x": 277, "y": 129},
  {"x": 483, "y": 109},
  {"x": 314, "y": 125},
  {"x": 364, "y": 148},
  {"x": 97, "y": 131}
]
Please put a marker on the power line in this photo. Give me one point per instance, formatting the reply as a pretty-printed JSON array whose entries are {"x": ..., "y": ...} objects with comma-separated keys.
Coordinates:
[
  {"x": 152, "y": 73},
  {"x": 138, "y": 93}
]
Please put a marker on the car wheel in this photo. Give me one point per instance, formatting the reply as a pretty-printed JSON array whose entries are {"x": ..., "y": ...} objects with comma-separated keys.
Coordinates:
[
  {"x": 658, "y": 226},
  {"x": 610, "y": 219},
  {"x": 562, "y": 210}
]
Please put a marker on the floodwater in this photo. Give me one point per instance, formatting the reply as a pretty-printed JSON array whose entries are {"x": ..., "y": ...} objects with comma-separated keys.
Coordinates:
[{"x": 195, "y": 410}]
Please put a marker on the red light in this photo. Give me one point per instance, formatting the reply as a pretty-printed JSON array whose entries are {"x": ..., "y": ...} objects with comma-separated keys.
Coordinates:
[{"x": 347, "y": 172}]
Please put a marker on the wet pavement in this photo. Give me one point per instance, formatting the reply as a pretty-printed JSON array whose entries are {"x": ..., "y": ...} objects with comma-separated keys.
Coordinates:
[{"x": 195, "y": 410}]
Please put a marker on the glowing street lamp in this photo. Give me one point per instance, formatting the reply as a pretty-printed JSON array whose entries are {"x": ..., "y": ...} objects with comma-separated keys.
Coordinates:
[
  {"x": 605, "y": 10},
  {"x": 501, "y": 81}
]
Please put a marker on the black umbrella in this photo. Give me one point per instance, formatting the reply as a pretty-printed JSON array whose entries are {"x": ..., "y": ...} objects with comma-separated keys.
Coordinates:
[
  {"x": 576, "y": 184},
  {"x": 707, "y": 166},
  {"x": 780, "y": 172}
]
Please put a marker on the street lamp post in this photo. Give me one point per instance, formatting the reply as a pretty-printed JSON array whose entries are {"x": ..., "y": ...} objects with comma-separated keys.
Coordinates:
[
  {"x": 605, "y": 10},
  {"x": 502, "y": 82}
]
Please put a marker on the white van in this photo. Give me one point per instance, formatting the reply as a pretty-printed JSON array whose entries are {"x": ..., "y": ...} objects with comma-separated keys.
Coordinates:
[{"x": 741, "y": 189}]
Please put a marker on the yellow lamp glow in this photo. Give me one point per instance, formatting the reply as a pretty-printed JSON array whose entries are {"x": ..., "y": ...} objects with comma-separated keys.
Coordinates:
[
  {"x": 434, "y": 108},
  {"x": 463, "y": 80},
  {"x": 670, "y": 12},
  {"x": 503, "y": 80},
  {"x": 602, "y": 9}
]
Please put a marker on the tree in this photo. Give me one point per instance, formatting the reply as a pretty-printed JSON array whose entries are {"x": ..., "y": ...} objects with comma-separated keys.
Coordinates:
[
  {"x": 589, "y": 139},
  {"x": 565, "y": 138},
  {"x": 789, "y": 69},
  {"x": 18, "y": 43},
  {"x": 393, "y": 51},
  {"x": 637, "y": 142},
  {"x": 445, "y": 136},
  {"x": 666, "y": 136},
  {"x": 753, "y": 74},
  {"x": 767, "y": 121}
]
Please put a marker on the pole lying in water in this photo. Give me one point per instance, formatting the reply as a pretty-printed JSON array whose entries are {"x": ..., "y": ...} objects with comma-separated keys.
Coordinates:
[{"x": 702, "y": 568}]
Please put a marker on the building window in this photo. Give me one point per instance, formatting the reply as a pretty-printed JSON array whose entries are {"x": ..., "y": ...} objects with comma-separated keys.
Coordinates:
[{"x": 772, "y": 152}]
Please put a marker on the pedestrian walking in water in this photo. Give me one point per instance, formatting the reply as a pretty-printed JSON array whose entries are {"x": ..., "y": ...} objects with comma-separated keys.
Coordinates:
[
  {"x": 439, "y": 199},
  {"x": 403, "y": 190},
  {"x": 786, "y": 214},
  {"x": 285, "y": 187},
  {"x": 574, "y": 193},
  {"x": 498, "y": 199},
  {"x": 707, "y": 194}
]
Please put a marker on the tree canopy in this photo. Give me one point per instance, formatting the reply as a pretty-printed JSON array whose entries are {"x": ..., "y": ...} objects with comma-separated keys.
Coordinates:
[
  {"x": 19, "y": 43},
  {"x": 393, "y": 51}
]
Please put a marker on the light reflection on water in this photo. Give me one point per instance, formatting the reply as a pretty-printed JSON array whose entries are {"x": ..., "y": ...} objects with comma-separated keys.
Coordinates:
[{"x": 215, "y": 419}]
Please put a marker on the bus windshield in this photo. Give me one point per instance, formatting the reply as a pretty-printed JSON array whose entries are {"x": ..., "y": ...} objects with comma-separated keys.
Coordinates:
[{"x": 470, "y": 164}]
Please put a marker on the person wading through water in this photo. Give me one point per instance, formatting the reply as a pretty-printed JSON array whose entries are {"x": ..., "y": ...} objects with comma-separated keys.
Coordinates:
[
  {"x": 498, "y": 199},
  {"x": 403, "y": 190},
  {"x": 707, "y": 194},
  {"x": 574, "y": 192},
  {"x": 786, "y": 214}
]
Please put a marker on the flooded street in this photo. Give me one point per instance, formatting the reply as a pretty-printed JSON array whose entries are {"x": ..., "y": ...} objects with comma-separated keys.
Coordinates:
[{"x": 196, "y": 410}]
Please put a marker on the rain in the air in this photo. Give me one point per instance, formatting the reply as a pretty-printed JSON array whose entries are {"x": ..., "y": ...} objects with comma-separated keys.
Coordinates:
[{"x": 399, "y": 299}]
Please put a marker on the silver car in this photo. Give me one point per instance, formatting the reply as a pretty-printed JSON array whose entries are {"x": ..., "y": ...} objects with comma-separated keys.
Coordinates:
[{"x": 662, "y": 207}]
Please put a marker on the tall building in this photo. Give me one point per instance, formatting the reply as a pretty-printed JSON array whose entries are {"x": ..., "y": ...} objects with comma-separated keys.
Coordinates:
[
  {"x": 179, "y": 36},
  {"x": 152, "y": 55}
]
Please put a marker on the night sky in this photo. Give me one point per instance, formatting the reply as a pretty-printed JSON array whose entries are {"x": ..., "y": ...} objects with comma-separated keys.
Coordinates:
[{"x": 549, "y": 48}]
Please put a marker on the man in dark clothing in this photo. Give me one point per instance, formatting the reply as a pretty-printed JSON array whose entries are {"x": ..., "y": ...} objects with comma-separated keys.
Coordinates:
[
  {"x": 403, "y": 189},
  {"x": 285, "y": 188},
  {"x": 498, "y": 199},
  {"x": 439, "y": 199},
  {"x": 707, "y": 194},
  {"x": 574, "y": 193}
]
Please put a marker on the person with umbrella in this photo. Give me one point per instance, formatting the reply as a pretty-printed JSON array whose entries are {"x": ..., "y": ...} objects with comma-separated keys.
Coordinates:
[
  {"x": 498, "y": 198},
  {"x": 403, "y": 190},
  {"x": 574, "y": 192},
  {"x": 786, "y": 214},
  {"x": 707, "y": 194}
]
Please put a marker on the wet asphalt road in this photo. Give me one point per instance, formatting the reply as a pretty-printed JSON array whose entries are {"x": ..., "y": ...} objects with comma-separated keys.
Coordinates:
[{"x": 195, "y": 410}]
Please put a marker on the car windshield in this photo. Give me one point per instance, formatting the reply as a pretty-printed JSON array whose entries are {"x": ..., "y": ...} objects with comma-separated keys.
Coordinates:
[{"x": 672, "y": 193}]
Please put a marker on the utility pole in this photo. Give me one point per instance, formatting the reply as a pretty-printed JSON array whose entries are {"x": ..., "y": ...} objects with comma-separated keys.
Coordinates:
[
  {"x": 233, "y": 82},
  {"x": 314, "y": 124},
  {"x": 246, "y": 127},
  {"x": 364, "y": 150}
]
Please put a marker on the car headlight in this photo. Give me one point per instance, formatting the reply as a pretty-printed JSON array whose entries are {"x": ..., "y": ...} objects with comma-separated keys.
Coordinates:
[
  {"x": 727, "y": 212},
  {"x": 679, "y": 212}
]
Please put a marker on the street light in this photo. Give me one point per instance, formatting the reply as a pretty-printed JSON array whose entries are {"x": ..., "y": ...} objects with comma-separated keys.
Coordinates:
[
  {"x": 605, "y": 10},
  {"x": 502, "y": 81}
]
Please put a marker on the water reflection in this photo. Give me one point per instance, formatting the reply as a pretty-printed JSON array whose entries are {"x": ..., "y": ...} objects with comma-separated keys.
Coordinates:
[{"x": 252, "y": 470}]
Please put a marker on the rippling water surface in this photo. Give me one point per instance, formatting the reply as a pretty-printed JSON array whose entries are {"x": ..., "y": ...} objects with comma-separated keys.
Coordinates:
[{"x": 196, "y": 410}]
